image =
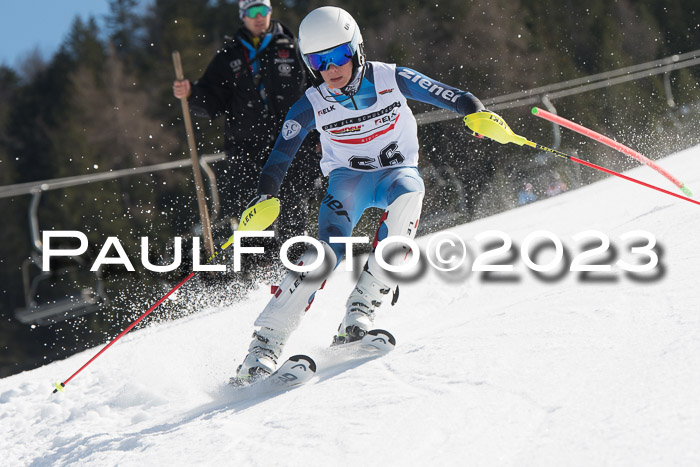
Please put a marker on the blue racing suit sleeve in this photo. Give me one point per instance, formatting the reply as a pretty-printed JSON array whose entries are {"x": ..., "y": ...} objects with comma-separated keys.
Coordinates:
[
  {"x": 297, "y": 124},
  {"x": 418, "y": 87}
]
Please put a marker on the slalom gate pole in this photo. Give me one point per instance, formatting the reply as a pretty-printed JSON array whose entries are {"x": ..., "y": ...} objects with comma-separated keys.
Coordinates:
[
  {"x": 60, "y": 386},
  {"x": 611, "y": 143},
  {"x": 492, "y": 126}
]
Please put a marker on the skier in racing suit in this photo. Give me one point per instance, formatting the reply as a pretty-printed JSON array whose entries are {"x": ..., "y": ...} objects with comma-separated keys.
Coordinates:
[{"x": 370, "y": 154}]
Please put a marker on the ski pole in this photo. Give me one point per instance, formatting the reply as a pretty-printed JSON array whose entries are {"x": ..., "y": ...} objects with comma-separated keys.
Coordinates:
[
  {"x": 492, "y": 126},
  {"x": 60, "y": 386},
  {"x": 258, "y": 217},
  {"x": 611, "y": 143}
]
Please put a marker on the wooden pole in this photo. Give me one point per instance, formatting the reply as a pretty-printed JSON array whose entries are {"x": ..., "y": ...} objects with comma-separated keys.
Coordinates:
[{"x": 201, "y": 201}]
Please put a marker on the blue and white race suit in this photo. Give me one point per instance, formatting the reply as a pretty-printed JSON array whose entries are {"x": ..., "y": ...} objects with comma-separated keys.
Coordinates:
[{"x": 370, "y": 143}]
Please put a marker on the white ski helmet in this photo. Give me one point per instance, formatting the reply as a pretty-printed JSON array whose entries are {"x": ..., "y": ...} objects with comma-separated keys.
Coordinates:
[{"x": 324, "y": 29}]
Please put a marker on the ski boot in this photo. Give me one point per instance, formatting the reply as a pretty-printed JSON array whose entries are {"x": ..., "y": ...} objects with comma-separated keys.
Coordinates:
[
  {"x": 261, "y": 361},
  {"x": 399, "y": 219},
  {"x": 363, "y": 301}
]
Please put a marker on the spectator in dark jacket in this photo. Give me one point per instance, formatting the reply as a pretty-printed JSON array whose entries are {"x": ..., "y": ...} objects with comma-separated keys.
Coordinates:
[{"x": 253, "y": 81}]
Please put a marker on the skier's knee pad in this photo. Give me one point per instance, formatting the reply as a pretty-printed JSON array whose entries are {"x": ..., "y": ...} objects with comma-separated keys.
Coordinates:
[
  {"x": 296, "y": 292},
  {"x": 400, "y": 219}
]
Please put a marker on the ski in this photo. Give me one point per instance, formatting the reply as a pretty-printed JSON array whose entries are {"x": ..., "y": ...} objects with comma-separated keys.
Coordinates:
[
  {"x": 374, "y": 339},
  {"x": 341, "y": 357},
  {"x": 297, "y": 370},
  {"x": 379, "y": 339}
]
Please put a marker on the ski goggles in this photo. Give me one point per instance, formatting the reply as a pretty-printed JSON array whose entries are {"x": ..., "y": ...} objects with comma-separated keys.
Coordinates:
[
  {"x": 262, "y": 10},
  {"x": 337, "y": 56}
]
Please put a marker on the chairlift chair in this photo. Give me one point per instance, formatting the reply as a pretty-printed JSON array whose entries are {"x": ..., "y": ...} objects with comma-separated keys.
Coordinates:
[{"x": 80, "y": 302}]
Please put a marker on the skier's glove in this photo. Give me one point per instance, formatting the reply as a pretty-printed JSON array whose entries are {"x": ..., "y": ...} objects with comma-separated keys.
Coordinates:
[
  {"x": 492, "y": 126},
  {"x": 468, "y": 121},
  {"x": 260, "y": 213},
  {"x": 258, "y": 199}
]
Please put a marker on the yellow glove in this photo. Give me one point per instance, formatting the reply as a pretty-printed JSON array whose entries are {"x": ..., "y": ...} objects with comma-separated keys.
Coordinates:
[
  {"x": 261, "y": 213},
  {"x": 492, "y": 126}
]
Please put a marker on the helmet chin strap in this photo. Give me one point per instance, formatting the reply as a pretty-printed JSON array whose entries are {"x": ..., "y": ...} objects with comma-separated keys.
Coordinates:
[
  {"x": 353, "y": 85},
  {"x": 346, "y": 92}
]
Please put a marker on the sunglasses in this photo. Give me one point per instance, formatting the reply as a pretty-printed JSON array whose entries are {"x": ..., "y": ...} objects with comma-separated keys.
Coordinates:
[
  {"x": 337, "y": 56},
  {"x": 262, "y": 10}
]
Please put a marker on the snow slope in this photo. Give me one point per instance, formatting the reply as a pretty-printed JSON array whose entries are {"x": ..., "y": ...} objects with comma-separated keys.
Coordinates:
[{"x": 521, "y": 372}]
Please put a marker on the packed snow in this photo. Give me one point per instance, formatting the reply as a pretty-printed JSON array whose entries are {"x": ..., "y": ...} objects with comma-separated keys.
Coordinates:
[{"x": 507, "y": 369}]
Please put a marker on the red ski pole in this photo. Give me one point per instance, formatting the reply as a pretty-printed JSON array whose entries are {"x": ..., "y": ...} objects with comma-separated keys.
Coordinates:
[
  {"x": 257, "y": 217},
  {"x": 60, "y": 386},
  {"x": 492, "y": 126}
]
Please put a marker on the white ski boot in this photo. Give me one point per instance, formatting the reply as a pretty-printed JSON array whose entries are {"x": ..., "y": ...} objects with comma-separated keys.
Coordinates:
[
  {"x": 365, "y": 298},
  {"x": 263, "y": 353}
]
